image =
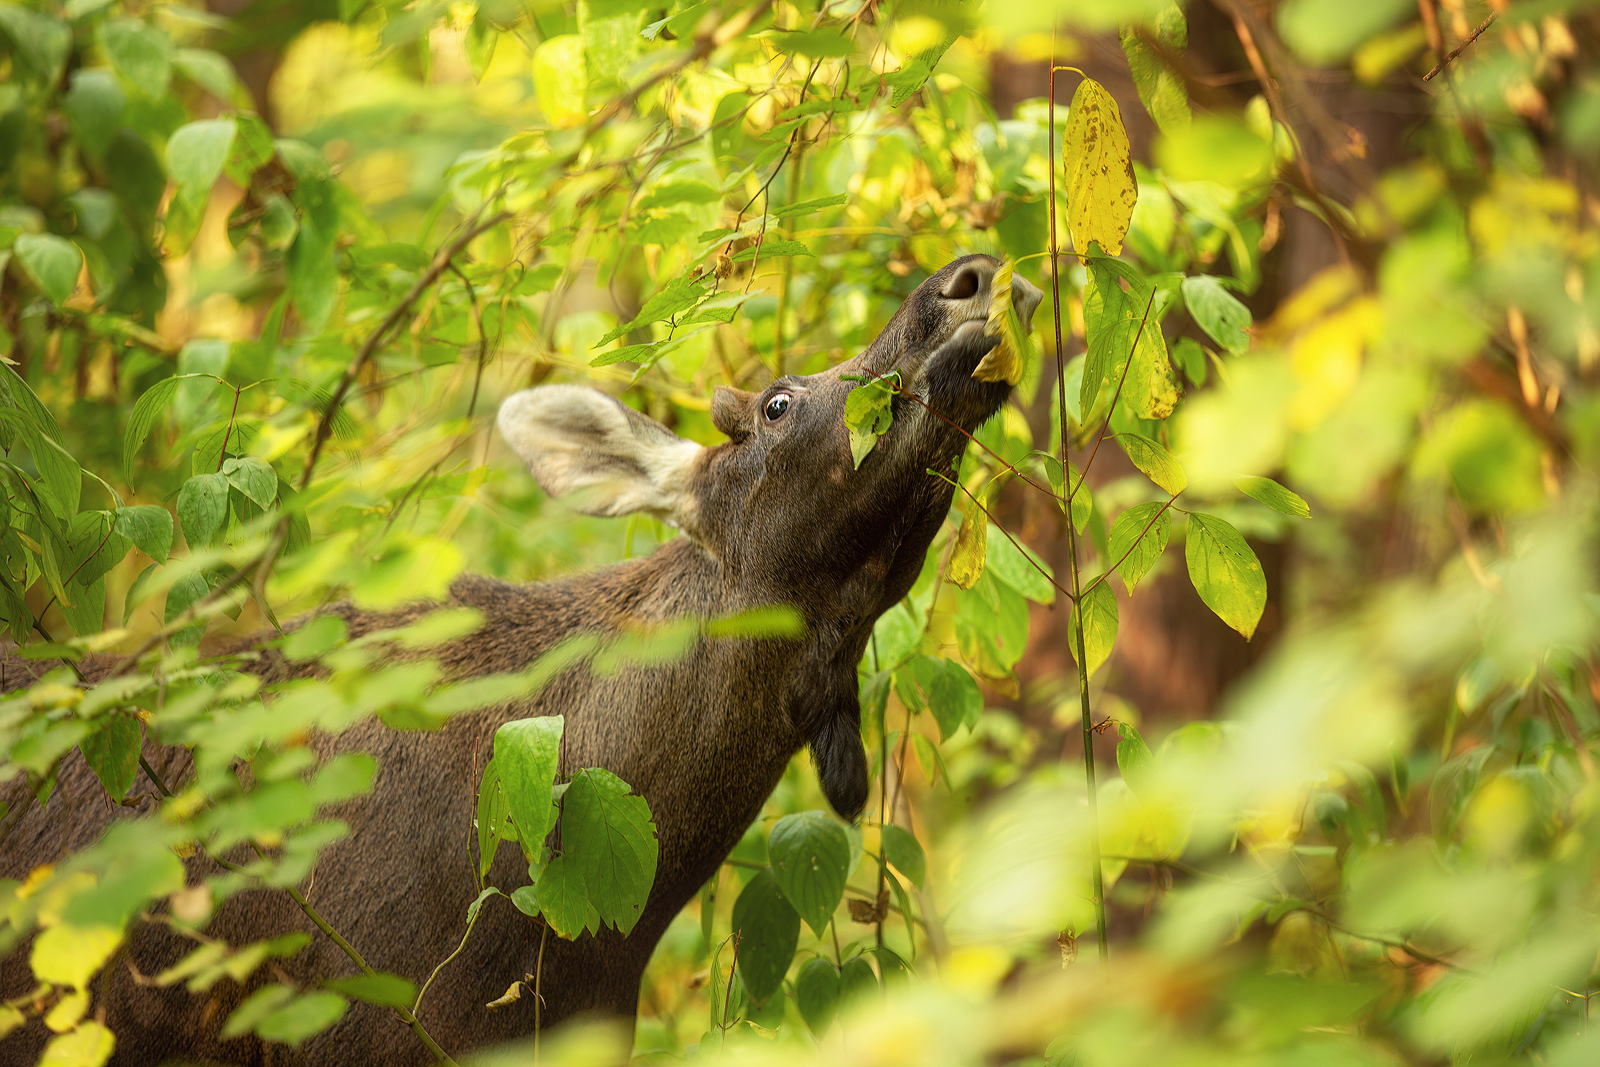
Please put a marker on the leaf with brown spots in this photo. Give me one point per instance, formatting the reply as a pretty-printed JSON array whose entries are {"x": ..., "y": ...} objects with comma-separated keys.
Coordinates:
[{"x": 1101, "y": 189}]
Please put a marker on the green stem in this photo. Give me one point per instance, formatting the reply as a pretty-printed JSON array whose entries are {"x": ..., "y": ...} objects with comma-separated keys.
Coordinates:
[{"x": 1072, "y": 551}]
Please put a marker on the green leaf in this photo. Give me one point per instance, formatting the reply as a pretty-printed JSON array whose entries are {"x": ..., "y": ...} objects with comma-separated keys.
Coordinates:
[
  {"x": 561, "y": 79},
  {"x": 149, "y": 527},
  {"x": 89, "y": 1044},
  {"x": 183, "y": 595},
  {"x": 1155, "y": 461},
  {"x": 1143, "y": 529},
  {"x": 1125, "y": 342},
  {"x": 1099, "y": 183},
  {"x": 769, "y": 931},
  {"x": 258, "y": 1006},
  {"x": 953, "y": 697},
  {"x": 816, "y": 990},
  {"x": 855, "y": 979},
  {"x": 528, "y": 752},
  {"x": 1082, "y": 498},
  {"x": 563, "y": 897},
  {"x": 138, "y": 591},
  {"x": 1133, "y": 756},
  {"x": 808, "y": 207},
  {"x": 1225, "y": 572},
  {"x": 607, "y": 832},
  {"x": 1325, "y": 32},
  {"x": 145, "y": 412},
  {"x": 252, "y": 149},
  {"x": 112, "y": 752},
  {"x": 1274, "y": 496},
  {"x": 203, "y": 508},
  {"x": 772, "y": 248},
  {"x": 303, "y": 1017},
  {"x": 381, "y": 988},
  {"x": 810, "y": 856},
  {"x": 868, "y": 414},
  {"x": 41, "y": 42},
  {"x": 1011, "y": 565},
  {"x": 252, "y": 477},
  {"x": 141, "y": 55},
  {"x": 680, "y": 294},
  {"x": 905, "y": 852},
  {"x": 626, "y": 354},
  {"x": 212, "y": 72},
  {"x": 493, "y": 816},
  {"x": 1099, "y": 608},
  {"x": 1218, "y": 312},
  {"x": 52, "y": 262},
  {"x": 94, "y": 108},
  {"x": 196, "y": 154},
  {"x": 1161, "y": 89}
]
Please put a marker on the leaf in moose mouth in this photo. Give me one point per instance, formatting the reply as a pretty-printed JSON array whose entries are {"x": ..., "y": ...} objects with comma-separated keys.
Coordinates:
[{"x": 1003, "y": 363}]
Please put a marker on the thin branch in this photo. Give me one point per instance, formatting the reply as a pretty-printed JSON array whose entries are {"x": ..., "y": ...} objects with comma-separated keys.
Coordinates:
[
  {"x": 990, "y": 516},
  {"x": 441, "y": 263},
  {"x": 1447, "y": 60}
]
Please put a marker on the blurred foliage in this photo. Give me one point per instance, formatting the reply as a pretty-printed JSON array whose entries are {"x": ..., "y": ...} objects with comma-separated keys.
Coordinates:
[{"x": 251, "y": 356}]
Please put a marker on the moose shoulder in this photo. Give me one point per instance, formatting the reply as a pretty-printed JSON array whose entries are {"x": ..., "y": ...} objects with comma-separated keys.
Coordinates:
[{"x": 777, "y": 515}]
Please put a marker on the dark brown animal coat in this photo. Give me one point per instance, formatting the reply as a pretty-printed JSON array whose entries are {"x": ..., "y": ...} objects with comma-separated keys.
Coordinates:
[{"x": 776, "y": 515}]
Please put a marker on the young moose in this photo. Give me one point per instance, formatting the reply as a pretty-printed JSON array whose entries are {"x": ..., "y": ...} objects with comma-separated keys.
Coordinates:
[{"x": 777, "y": 515}]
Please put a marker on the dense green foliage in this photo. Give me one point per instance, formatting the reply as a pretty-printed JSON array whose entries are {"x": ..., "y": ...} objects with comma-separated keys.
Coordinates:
[{"x": 251, "y": 364}]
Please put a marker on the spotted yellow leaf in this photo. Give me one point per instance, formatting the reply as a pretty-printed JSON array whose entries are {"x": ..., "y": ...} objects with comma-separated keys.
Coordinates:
[
  {"x": 1003, "y": 363},
  {"x": 1100, "y": 186},
  {"x": 972, "y": 547}
]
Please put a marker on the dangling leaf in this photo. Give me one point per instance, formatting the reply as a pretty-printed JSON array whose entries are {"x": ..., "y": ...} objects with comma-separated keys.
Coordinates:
[
  {"x": 1225, "y": 572},
  {"x": 1099, "y": 611},
  {"x": 1100, "y": 186},
  {"x": 972, "y": 547},
  {"x": 1138, "y": 538},
  {"x": 1161, "y": 88},
  {"x": 868, "y": 414},
  {"x": 1153, "y": 459},
  {"x": 1274, "y": 496}
]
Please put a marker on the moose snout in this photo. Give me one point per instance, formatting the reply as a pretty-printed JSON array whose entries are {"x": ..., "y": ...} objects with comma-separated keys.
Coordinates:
[{"x": 971, "y": 284}]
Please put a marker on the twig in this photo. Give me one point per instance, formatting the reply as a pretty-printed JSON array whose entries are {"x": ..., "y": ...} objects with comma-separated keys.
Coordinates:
[
  {"x": 441, "y": 263},
  {"x": 416, "y": 1006},
  {"x": 990, "y": 516},
  {"x": 1448, "y": 59}
]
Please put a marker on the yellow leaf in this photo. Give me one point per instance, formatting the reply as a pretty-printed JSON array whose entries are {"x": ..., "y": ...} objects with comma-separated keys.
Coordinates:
[
  {"x": 560, "y": 79},
  {"x": 1326, "y": 360},
  {"x": 972, "y": 547},
  {"x": 89, "y": 1045},
  {"x": 10, "y": 1019},
  {"x": 1100, "y": 186},
  {"x": 1003, "y": 362},
  {"x": 69, "y": 955},
  {"x": 68, "y": 1010}
]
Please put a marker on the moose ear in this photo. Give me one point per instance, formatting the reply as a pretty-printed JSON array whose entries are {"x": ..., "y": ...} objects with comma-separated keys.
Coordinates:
[
  {"x": 599, "y": 454},
  {"x": 730, "y": 412}
]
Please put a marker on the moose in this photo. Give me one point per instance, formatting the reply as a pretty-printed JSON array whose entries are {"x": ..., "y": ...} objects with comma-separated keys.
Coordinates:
[{"x": 776, "y": 515}]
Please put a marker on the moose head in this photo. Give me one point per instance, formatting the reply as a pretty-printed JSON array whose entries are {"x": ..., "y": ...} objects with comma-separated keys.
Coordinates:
[{"x": 780, "y": 506}]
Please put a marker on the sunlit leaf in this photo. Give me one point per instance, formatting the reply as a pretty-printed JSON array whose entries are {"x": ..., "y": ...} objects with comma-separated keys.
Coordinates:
[
  {"x": 561, "y": 79},
  {"x": 1153, "y": 459},
  {"x": 972, "y": 547},
  {"x": 1274, "y": 496},
  {"x": 1137, "y": 539},
  {"x": 1099, "y": 609},
  {"x": 868, "y": 414},
  {"x": 1225, "y": 572},
  {"x": 1161, "y": 89},
  {"x": 1099, "y": 183},
  {"x": 1218, "y": 312}
]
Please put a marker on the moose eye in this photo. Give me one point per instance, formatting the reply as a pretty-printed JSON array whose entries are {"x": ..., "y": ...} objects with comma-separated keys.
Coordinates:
[{"x": 777, "y": 406}]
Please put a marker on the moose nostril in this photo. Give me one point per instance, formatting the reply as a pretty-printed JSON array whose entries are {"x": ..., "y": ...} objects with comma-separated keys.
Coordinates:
[{"x": 963, "y": 286}]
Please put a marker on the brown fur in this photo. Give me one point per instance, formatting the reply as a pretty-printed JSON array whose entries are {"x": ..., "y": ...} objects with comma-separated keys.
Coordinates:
[{"x": 776, "y": 515}]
